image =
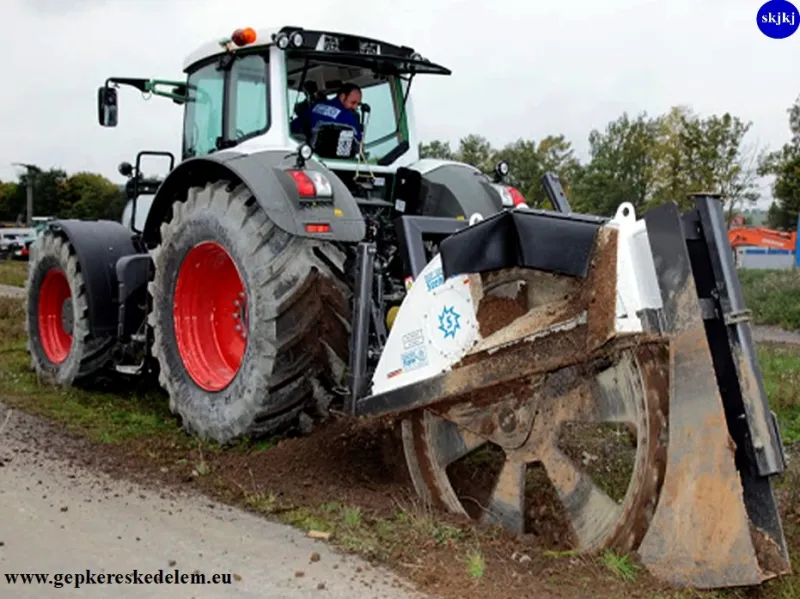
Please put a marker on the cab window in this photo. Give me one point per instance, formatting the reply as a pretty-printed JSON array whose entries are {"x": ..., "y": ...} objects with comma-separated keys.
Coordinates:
[
  {"x": 202, "y": 123},
  {"x": 383, "y": 133},
  {"x": 249, "y": 97},
  {"x": 247, "y": 87}
]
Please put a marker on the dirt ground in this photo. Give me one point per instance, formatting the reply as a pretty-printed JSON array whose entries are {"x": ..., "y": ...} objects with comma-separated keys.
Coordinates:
[
  {"x": 349, "y": 480},
  {"x": 356, "y": 468},
  {"x": 59, "y": 517}
]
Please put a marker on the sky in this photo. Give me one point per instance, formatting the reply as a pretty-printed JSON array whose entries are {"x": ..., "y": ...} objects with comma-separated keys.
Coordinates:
[{"x": 521, "y": 68}]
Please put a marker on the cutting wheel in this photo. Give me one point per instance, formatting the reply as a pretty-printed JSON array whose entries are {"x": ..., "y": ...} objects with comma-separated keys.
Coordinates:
[{"x": 589, "y": 425}]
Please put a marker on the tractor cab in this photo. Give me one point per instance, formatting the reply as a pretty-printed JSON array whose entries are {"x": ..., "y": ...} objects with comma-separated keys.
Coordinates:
[{"x": 255, "y": 89}]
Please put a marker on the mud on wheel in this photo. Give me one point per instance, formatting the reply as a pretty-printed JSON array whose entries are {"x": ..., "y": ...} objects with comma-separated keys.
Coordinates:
[
  {"x": 62, "y": 349},
  {"x": 249, "y": 321}
]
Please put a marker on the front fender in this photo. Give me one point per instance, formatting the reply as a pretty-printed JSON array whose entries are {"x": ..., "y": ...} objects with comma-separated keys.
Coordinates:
[
  {"x": 263, "y": 173},
  {"x": 98, "y": 244}
]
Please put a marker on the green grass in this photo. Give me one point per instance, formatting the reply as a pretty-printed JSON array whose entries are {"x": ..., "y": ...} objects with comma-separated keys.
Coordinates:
[
  {"x": 476, "y": 565},
  {"x": 780, "y": 368},
  {"x": 13, "y": 272},
  {"x": 112, "y": 411},
  {"x": 773, "y": 296},
  {"x": 620, "y": 566}
]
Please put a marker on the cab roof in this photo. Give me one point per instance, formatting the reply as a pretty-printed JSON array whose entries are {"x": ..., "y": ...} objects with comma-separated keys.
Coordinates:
[{"x": 330, "y": 46}]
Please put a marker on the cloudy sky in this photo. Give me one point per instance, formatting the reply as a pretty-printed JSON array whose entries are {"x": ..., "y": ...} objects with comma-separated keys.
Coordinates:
[{"x": 521, "y": 68}]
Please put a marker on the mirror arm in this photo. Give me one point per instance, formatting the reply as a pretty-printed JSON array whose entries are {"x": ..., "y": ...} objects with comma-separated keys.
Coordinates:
[{"x": 151, "y": 86}]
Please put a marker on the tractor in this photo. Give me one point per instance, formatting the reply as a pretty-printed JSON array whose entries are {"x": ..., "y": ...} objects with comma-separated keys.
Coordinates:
[{"x": 281, "y": 266}]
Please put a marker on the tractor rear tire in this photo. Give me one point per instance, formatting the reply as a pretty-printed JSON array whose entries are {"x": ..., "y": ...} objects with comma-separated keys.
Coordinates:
[
  {"x": 249, "y": 322},
  {"x": 60, "y": 344}
]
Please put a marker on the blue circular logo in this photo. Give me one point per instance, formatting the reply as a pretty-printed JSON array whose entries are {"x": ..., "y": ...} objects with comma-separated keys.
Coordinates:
[{"x": 778, "y": 19}]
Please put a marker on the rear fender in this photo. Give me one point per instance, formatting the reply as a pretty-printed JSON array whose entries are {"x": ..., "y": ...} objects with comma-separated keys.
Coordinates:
[
  {"x": 98, "y": 244},
  {"x": 447, "y": 189},
  {"x": 274, "y": 190}
]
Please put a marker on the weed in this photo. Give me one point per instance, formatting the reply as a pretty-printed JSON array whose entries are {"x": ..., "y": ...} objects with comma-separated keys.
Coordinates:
[
  {"x": 620, "y": 565},
  {"x": 352, "y": 517},
  {"x": 476, "y": 565},
  {"x": 560, "y": 554},
  {"x": 307, "y": 519},
  {"x": 265, "y": 503}
]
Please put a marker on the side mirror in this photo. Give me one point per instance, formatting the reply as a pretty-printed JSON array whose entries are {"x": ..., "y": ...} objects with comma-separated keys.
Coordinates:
[
  {"x": 125, "y": 169},
  {"x": 107, "y": 106}
]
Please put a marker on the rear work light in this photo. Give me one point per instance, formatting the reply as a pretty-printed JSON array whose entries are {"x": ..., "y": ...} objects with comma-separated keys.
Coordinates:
[
  {"x": 516, "y": 197},
  {"x": 511, "y": 196},
  {"x": 312, "y": 184}
]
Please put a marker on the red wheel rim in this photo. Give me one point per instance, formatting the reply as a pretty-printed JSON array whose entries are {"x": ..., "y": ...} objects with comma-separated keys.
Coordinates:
[
  {"x": 210, "y": 316},
  {"x": 56, "y": 342}
]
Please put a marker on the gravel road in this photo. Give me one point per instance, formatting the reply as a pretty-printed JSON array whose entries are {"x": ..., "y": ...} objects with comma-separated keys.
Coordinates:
[
  {"x": 56, "y": 517},
  {"x": 769, "y": 334},
  {"x": 10, "y": 291}
]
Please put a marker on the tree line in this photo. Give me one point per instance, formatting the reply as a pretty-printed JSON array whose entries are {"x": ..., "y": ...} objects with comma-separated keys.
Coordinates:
[
  {"x": 642, "y": 159},
  {"x": 648, "y": 160},
  {"x": 81, "y": 195}
]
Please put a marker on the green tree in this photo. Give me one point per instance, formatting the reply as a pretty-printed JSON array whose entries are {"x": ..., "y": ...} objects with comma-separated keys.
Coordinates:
[
  {"x": 477, "y": 151},
  {"x": 436, "y": 149},
  {"x": 47, "y": 186},
  {"x": 91, "y": 196},
  {"x": 8, "y": 195},
  {"x": 528, "y": 161},
  {"x": 46, "y": 189},
  {"x": 622, "y": 167},
  {"x": 704, "y": 155},
  {"x": 784, "y": 165}
]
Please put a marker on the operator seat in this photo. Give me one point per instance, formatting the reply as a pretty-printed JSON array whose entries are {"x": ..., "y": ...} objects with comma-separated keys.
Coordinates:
[{"x": 303, "y": 109}]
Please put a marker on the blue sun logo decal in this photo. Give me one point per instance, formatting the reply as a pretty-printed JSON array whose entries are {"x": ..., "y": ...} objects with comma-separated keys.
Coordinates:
[{"x": 449, "y": 322}]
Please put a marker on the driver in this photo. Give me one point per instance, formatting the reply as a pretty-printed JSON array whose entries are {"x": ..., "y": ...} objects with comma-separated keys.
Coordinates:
[{"x": 340, "y": 109}]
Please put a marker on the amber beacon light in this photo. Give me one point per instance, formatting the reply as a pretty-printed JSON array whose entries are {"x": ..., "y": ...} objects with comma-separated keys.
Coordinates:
[{"x": 242, "y": 37}]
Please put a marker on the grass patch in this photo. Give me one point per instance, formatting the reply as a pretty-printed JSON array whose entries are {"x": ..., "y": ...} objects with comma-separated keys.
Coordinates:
[
  {"x": 773, "y": 296},
  {"x": 111, "y": 411},
  {"x": 13, "y": 272},
  {"x": 780, "y": 368},
  {"x": 349, "y": 528}
]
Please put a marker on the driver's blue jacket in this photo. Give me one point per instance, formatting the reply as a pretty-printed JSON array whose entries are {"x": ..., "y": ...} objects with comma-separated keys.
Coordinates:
[{"x": 328, "y": 111}]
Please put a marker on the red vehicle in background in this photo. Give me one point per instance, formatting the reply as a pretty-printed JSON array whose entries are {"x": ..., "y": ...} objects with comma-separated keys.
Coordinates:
[{"x": 762, "y": 237}]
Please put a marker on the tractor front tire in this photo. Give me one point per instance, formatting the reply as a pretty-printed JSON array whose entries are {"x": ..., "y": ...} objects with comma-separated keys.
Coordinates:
[
  {"x": 60, "y": 344},
  {"x": 247, "y": 319}
]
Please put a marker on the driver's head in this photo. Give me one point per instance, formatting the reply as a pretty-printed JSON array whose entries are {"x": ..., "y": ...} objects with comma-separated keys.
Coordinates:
[{"x": 349, "y": 95}]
